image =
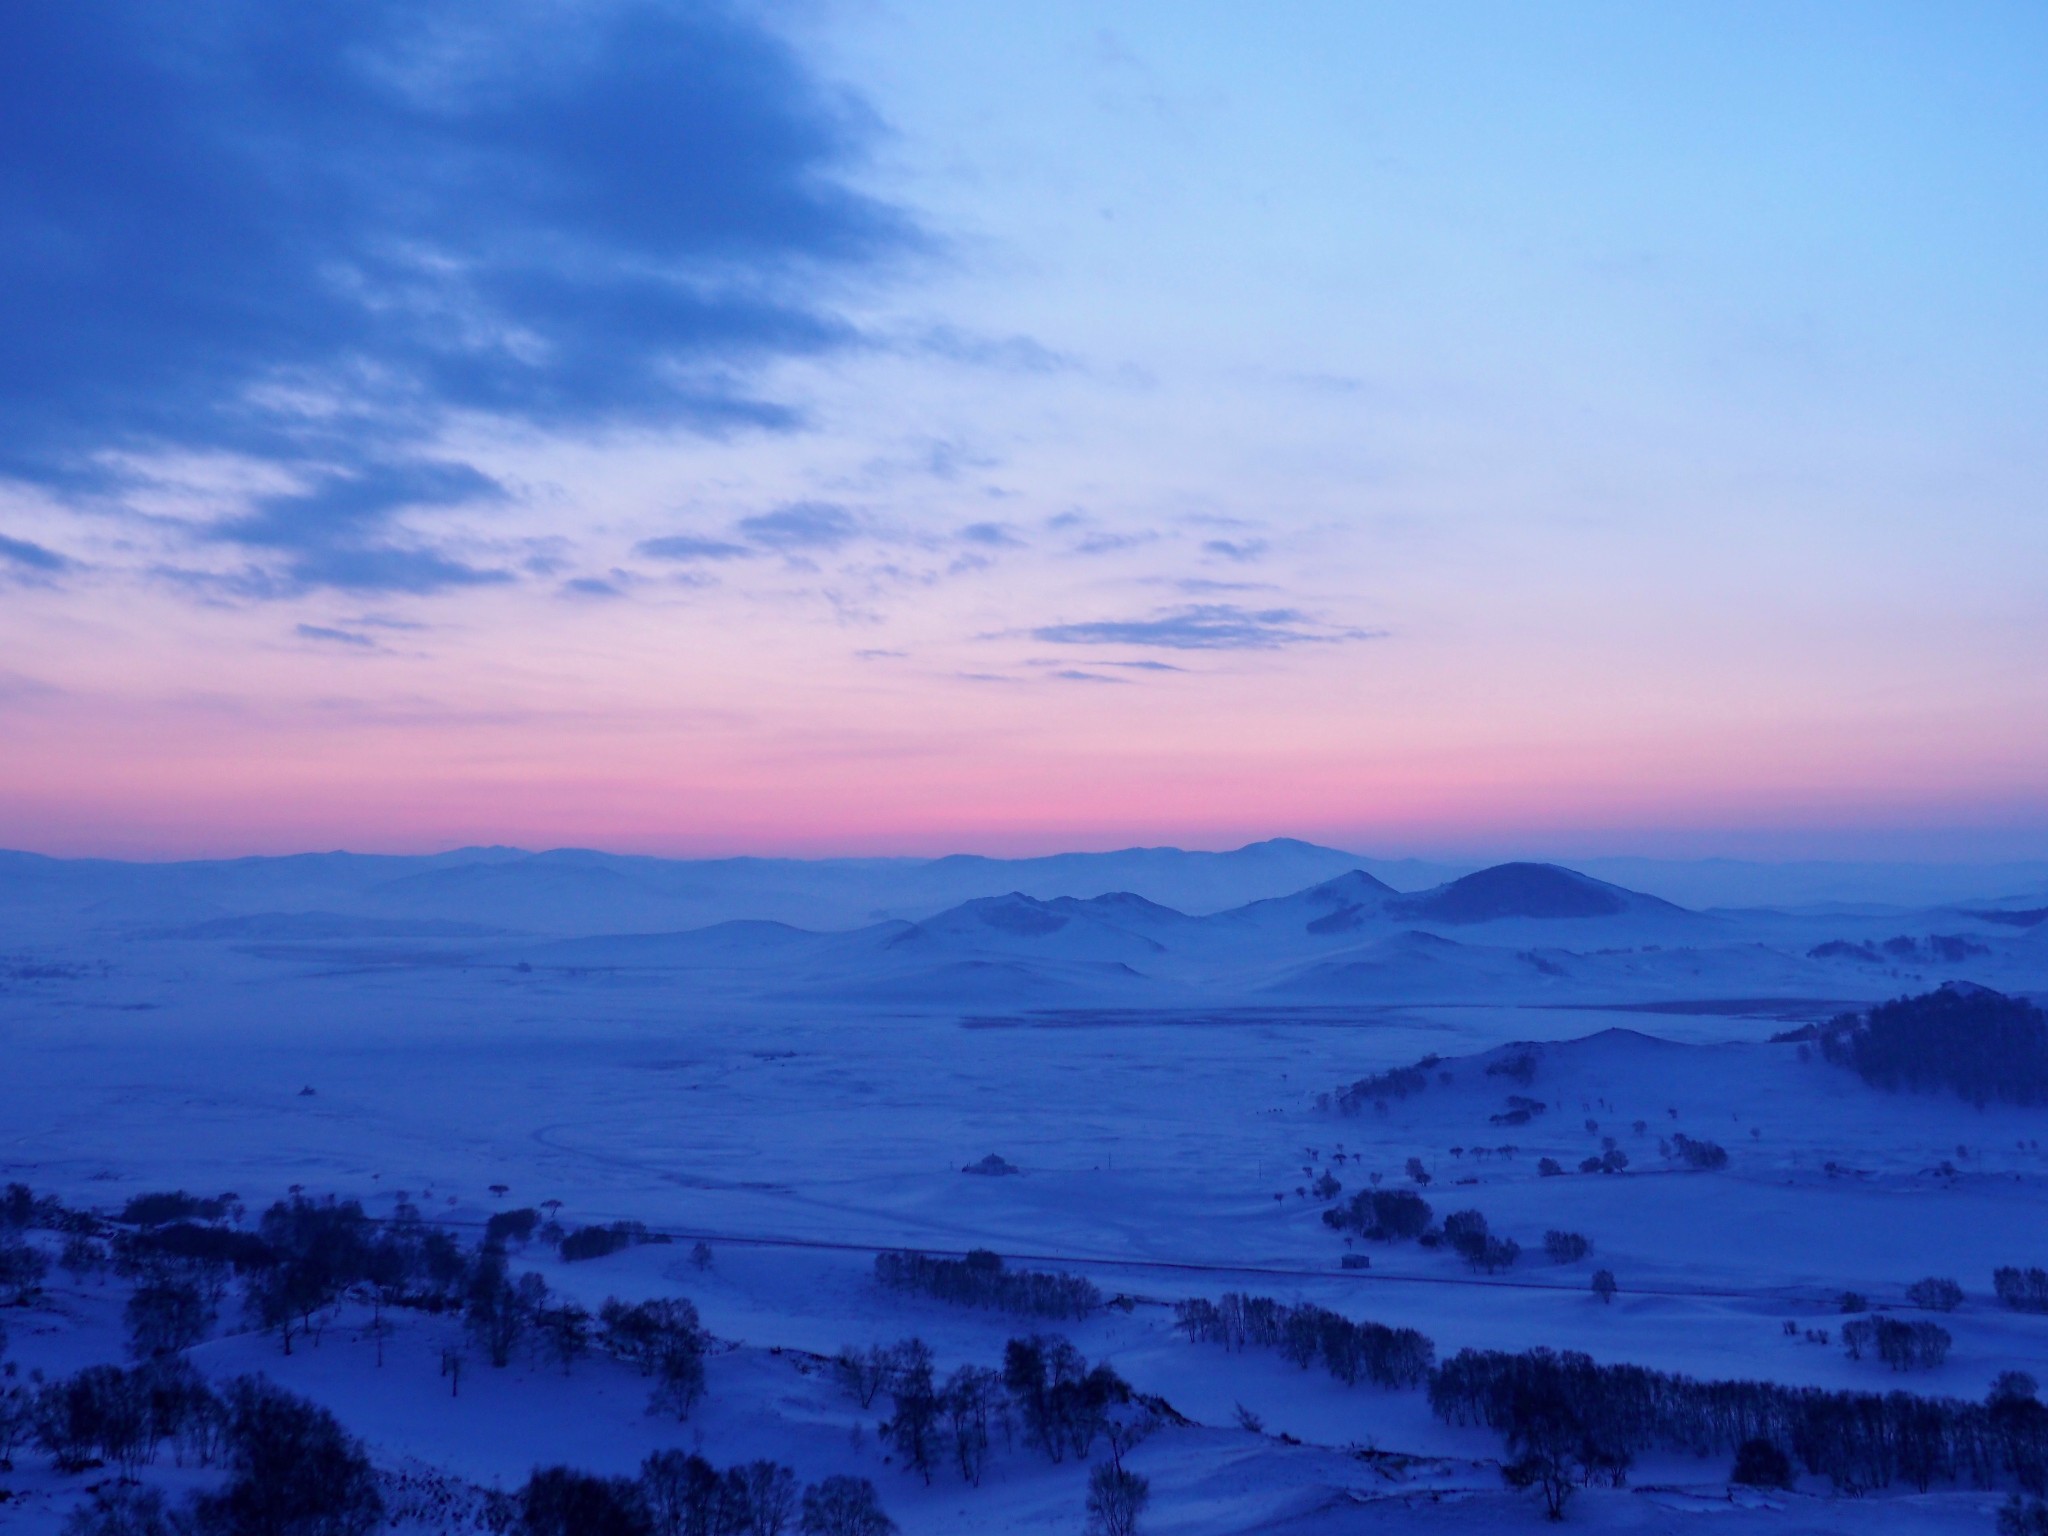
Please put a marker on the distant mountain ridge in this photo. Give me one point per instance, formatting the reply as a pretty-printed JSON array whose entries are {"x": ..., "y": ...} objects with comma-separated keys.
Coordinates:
[
  {"x": 572, "y": 891},
  {"x": 1307, "y": 927}
]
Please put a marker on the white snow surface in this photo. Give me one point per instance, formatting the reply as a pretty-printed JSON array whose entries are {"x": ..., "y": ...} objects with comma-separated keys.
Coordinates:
[{"x": 794, "y": 1063}]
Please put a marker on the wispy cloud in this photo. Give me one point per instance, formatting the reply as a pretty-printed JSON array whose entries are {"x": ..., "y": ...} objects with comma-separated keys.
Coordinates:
[
  {"x": 992, "y": 535},
  {"x": 1206, "y": 586},
  {"x": 1243, "y": 551},
  {"x": 16, "y": 688},
  {"x": 24, "y": 556},
  {"x": 1111, "y": 543},
  {"x": 802, "y": 525},
  {"x": 1205, "y": 627},
  {"x": 326, "y": 634},
  {"x": 686, "y": 546},
  {"x": 1012, "y": 354}
]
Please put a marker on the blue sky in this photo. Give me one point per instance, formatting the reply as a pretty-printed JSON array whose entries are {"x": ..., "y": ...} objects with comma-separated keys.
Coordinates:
[{"x": 839, "y": 425}]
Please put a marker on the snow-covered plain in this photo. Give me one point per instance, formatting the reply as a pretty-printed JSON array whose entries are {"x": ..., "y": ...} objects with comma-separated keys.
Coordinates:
[{"x": 795, "y": 1062}]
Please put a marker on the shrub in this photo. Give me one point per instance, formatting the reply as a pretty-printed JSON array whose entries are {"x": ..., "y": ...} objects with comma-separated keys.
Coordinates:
[{"x": 1116, "y": 1497}]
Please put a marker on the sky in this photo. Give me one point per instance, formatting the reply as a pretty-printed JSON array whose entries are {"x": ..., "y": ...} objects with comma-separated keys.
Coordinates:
[{"x": 850, "y": 426}]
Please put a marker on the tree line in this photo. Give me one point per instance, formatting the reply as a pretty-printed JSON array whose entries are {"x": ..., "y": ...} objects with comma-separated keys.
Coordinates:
[
  {"x": 1375, "y": 1090},
  {"x": 1568, "y": 1421},
  {"x": 1351, "y": 1351},
  {"x": 982, "y": 1280},
  {"x": 1967, "y": 1039}
]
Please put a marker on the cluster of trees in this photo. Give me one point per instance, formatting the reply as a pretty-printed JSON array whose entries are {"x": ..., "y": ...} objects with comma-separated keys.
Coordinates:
[
  {"x": 1935, "y": 1294},
  {"x": 109, "y": 1416},
  {"x": 160, "y": 1209},
  {"x": 601, "y": 1242},
  {"x": 22, "y": 1265},
  {"x": 1521, "y": 1109},
  {"x": 1974, "y": 1041},
  {"x": 2023, "y": 1290},
  {"x": 1566, "y": 1247},
  {"x": 1568, "y": 1421},
  {"x": 1374, "y": 1091},
  {"x": 1519, "y": 1068},
  {"x": 1702, "y": 1156},
  {"x": 981, "y": 1280},
  {"x": 1467, "y": 1235},
  {"x": 1902, "y": 1346},
  {"x": 664, "y": 1339},
  {"x": 1389, "y": 1215},
  {"x": 1949, "y": 947},
  {"x": 307, "y": 1256},
  {"x": 930, "y": 1419},
  {"x": 290, "y": 1466},
  {"x": 1046, "y": 1394},
  {"x": 1352, "y": 1351},
  {"x": 680, "y": 1494},
  {"x": 2023, "y": 1517},
  {"x": 1385, "y": 1215}
]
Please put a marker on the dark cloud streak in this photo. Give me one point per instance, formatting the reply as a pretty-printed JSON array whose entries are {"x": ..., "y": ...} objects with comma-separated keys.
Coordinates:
[
  {"x": 308, "y": 233},
  {"x": 26, "y": 556},
  {"x": 1204, "y": 627}
]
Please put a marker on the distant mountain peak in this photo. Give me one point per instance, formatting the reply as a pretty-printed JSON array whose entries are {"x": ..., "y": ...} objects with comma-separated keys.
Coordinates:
[
  {"x": 1014, "y": 913},
  {"x": 1350, "y": 888},
  {"x": 1526, "y": 890}
]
